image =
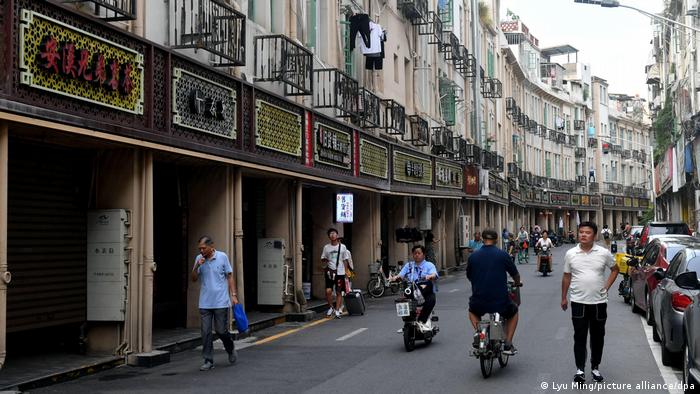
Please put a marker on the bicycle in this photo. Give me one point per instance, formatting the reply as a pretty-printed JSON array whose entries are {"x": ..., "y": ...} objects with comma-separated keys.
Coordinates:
[
  {"x": 379, "y": 282},
  {"x": 523, "y": 255}
]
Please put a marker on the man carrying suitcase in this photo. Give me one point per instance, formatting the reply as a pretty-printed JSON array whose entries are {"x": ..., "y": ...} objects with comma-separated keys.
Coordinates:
[{"x": 336, "y": 260}]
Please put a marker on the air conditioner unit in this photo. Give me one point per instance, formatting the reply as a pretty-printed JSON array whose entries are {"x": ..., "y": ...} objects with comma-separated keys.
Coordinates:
[{"x": 464, "y": 230}]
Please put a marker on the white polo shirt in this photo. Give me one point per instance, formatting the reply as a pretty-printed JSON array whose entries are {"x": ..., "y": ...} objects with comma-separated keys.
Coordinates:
[{"x": 588, "y": 273}]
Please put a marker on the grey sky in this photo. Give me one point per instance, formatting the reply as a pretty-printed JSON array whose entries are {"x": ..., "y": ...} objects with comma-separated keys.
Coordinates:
[{"x": 614, "y": 41}]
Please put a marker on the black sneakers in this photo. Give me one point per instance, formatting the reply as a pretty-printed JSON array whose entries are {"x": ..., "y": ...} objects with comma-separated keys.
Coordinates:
[
  {"x": 509, "y": 350},
  {"x": 597, "y": 376},
  {"x": 580, "y": 376}
]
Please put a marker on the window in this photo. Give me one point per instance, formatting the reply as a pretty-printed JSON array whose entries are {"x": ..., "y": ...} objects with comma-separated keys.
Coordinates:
[
  {"x": 312, "y": 25},
  {"x": 396, "y": 68},
  {"x": 675, "y": 263}
]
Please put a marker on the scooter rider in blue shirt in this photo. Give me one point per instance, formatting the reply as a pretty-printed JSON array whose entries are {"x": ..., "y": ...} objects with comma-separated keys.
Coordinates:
[
  {"x": 487, "y": 271},
  {"x": 424, "y": 274}
]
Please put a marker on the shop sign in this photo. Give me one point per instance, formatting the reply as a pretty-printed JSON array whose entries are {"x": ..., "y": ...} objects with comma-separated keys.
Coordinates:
[
  {"x": 448, "y": 176},
  {"x": 560, "y": 198},
  {"x": 203, "y": 105},
  {"x": 374, "y": 159},
  {"x": 344, "y": 207},
  {"x": 471, "y": 181},
  {"x": 595, "y": 201},
  {"x": 643, "y": 203},
  {"x": 277, "y": 128},
  {"x": 585, "y": 201},
  {"x": 619, "y": 201},
  {"x": 608, "y": 201},
  {"x": 575, "y": 199},
  {"x": 62, "y": 59},
  {"x": 628, "y": 201},
  {"x": 635, "y": 203},
  {"x": 412, "y": 169},
  {"x": 333, "y": 147}
]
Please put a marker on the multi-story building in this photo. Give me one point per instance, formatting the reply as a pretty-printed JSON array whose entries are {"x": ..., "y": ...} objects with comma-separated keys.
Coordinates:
[{"x": 262, "y": 124}]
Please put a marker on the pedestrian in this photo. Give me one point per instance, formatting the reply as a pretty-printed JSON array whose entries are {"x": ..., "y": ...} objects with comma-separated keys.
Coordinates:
[
  {"x": 476, "y": 243},
  {"x": 607, "y": 236},
  {"x": 585, "y": 283},
  {"x": 336, "y": 261},
  {"x": 217, "y": 293},
  {"x": 430, "y": 242}
]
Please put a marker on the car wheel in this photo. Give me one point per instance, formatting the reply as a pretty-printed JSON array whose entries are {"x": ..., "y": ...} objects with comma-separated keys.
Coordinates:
[{"x": 649, "y": 312}]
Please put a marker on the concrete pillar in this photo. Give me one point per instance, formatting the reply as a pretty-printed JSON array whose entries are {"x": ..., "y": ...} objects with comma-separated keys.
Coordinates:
[
  {"x": 238, "y": 235},
  {"x": 149, "y": 265},
  {"x": 5, "y": 275}
]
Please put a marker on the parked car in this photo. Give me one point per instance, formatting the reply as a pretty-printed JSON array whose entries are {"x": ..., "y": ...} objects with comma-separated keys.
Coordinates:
[
  {"x": 641, "y": 272},
  {"x": 661, "y": 228},
  {"x": 669, "y": 302},
  {"x": 691, "y": 331}
]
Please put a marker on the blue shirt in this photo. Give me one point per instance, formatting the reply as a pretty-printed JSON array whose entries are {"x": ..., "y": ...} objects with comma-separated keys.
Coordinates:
[
  {"x": 475, "y": 245},
  {"x": 415, "y": 272},
  {"x": 486, "y": 269},
  {"x": 213, "y": 291}
]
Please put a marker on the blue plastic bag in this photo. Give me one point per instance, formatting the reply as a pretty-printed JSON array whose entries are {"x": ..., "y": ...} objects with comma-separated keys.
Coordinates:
[{"x": 240, "y": 317}]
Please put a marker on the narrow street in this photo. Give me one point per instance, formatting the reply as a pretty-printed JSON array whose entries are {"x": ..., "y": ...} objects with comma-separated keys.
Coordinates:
[{"x": 364, "y": 354}]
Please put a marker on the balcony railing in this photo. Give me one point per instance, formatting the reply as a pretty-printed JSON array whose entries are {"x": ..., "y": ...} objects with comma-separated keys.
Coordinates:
[
  {"x": 370, "y": 111},
  {"x": 111, "y": 10},
  {"x": 466, "y": 66},
  {"x": 279, "y": 59},
  {"x": 579, "y": 124},
  {"x": 516, "y": 114},
  {"x": 512, "y": 170},
  {"x": 431, "y": 27},
  {"x": 561, "y": 137},
  {"x": 212, "y": 26},
  {"x": 541, "y": 130},
  {"x": 592, "y": 142},
  {"x": 472, "y": 154},
  {"x": 450, "y": 46},
  {"x": 593, "y": 187},
  {"x": 419, "y": 131},
  {"x": 460, "y": 148},
  {"x": 510, "y": 105},
  {"x": 337, "y": 90},
  {"x": 394, "y": 122},
  {"x": 580, "y": 152},
  {"x": 442, "y": 141},
  {"x": 581, "y": 180},
  {"x": 500, "y": 163},
  {"x": 551, "y": 135},
  {"x": 414, "y": 10},
  {"x": 491, "y": 88},
  {"x": 552, "y": 74},
  {"x": 528, "y": 178},
  {"x": 626, "y": 154},
  {"x": 488, "y": 160}
]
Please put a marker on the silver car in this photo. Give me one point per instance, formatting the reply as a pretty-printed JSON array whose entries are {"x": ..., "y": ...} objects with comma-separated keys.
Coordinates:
[
  {"x": 669, "y": 302},
  {"x": 691, "y": 350}
]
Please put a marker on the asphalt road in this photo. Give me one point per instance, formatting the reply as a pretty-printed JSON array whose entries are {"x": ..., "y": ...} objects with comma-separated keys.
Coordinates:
[{"x": 364, "y": 354}]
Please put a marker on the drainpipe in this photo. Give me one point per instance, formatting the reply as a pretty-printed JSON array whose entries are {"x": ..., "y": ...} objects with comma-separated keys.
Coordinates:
[
  {"x": 238, "y": 234},
  {"x": 149, "y": 266},
  {"x": 299, "y": 247},
  {"x": 5, "y": 275},
  {"x": 139, "y": 26}
]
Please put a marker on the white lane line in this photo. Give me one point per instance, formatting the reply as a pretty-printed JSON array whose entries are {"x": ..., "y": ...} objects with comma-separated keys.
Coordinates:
[
  {"x": 352, "y": 334},
  {"x": 454, "y": 290},
  {"x": 667, "y": 373}
]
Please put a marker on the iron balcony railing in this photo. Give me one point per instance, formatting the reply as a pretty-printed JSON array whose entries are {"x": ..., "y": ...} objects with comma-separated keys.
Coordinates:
[
  {"x": 579, "y": 124},
  {"x": 419, "y": 131},
  {"x": 279, "y": 59},
  {"x": 414, "y": 10},
  {"x": 450, "y": 47},
  {"x": 491, "y": 88},
  {"x": 111, "y": 10},
  {"x": 370, "y": 112},
  {"x": 541, "y": 130},
  {"x": 394, "y": 122},
  {"x": 626, "y": 154},
  {"x": 593, "y": 187},
  {"x": 487, "y": 160},
  {"x": 431, "y": 26},
  {"x": 580, "y": 152},
  {"x": 529, "y": 178},
  {"x": 581, "y": 180},
  {"x": 500, "y": 163},
  {"x": 472, "y": 154},
  {"x": 561, "y": 137},
  {"x": 442, "y": 141},
  {"x": 337, "y": 90},
  {"x": 213, "y": 26},
  {"x": 460, "y": 148},
  {"x": 510, "y": 105},
  {"x": 524, "y": 121},
  {"x": 551, "y": 135}
]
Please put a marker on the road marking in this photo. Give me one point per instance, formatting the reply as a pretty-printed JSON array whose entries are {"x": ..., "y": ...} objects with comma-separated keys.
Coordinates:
[
  {"x": 352, "y": 334},
  {"x": 292, "y": 331},
  {"x": 667, "y": 373},
  {"x": 454, "y": 290}
]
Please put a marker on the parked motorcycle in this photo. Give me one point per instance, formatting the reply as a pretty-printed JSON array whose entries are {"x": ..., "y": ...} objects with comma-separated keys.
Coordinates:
[
  {"x": 625, "y": 288},
  {"x": 408, "y": 308},
  {"x": 572, "y": 239},
  {"x": 545, "y": 266},
  {"x": 490, "y": 337}
]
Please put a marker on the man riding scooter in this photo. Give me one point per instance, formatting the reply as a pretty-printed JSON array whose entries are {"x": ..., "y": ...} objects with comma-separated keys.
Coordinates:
[
  {"x": 486, "y": 270},
  {"x": 424, "y": 274},
  {"x": 544, "y": 244}
]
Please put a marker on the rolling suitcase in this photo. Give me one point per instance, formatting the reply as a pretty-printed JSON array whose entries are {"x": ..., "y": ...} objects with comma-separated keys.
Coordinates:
[{"x": 355, "y": 302}]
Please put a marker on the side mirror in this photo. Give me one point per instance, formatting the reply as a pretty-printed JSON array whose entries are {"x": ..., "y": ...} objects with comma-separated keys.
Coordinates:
[
  {"x": 688, "y": 280},
  {"x": 659, "y": 274}
]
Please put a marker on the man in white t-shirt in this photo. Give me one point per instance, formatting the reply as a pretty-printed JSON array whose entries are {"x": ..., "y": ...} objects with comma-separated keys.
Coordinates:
[
  {"x": 336, "y": 259},
  {"x": 585, "y": 282}
]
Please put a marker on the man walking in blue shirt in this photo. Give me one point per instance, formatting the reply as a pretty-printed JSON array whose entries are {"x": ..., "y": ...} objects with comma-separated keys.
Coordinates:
[
  {"x": 487, "y": 270},
  {"x": 424, "y": 274},
  {"x": 216, "y": 295}
]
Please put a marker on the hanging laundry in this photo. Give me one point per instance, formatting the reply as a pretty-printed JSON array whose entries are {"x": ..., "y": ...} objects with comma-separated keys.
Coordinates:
[
  {"x": 359, "y": 23},
  {"x": 374, "y": 54},
  {"x": 376, "y": 34}
]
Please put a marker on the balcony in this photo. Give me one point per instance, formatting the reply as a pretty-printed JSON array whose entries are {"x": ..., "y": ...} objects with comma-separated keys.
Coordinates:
[
  {"x": 616, "y": 149},
  {"x": 488, "y": 160},
  {"x": 551, "y": 134},
  {"x": 581, "y": 180},
  {"x": 279, "y": 59},
  {"x": 212, "y": 26},
  {"x": 370, "y": 111},
  {"x": 442, "y": 141},
  {"x": 465, "y": 63},
  {"x": 491, "y": 88},
  {"x": 516, "y": 114},
  {"x": 579, "y": 124},
  {"x": 419, "y": 131},
  {"x": 592, "y": 142},
  {"x": 472, "y": 154},
  {"x": 414, "y": 10},
  {"x": 510, "y": 105},
  {"x": 593, "y": 187},
  {"x": 528, "y": 178},
  {"x": 336, "y": 90},
  {"x": 626, "y": 154},
  {"x": 460, "y": 148},
  {"x": 524, "y": 121},
  {"x": 500, "y": 163},
  {"x": 541, "y": 130},
  {"x": 431, "y": 27},
  {"x": 561, "y": 137},
  {"x": 580, "y": 152},
  {"x": 112, "y": 10},
  {"x": 394, "y": 122},
  {"x": 552, "y": 74},
  {"x": 512, "y": 170},
  {"x": 449, "y": 95},
  {"x": 450, "y": 47},
  {"x": 614, "y": 188}
]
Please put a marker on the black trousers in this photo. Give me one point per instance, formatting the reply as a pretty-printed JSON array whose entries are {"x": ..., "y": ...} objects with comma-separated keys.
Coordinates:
[
  {"x": 428, "y": 307},
  {"x": 588, "y": 318}
]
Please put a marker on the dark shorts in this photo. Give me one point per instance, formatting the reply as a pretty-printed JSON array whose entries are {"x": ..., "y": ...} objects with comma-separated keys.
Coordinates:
[
  {"x": 338, "y": 283},
  {"x": 507, "y": 310}
]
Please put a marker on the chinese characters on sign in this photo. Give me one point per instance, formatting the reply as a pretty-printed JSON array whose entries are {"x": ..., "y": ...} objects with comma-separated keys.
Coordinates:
[
  {"x": 343, "y": 207},
  {"x": 333, "y": 146},
  {"x": 414, "y": 169},
  {"x": 71, "y": 62}
]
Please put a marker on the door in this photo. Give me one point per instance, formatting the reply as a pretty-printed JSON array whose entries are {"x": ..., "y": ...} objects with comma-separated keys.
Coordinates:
[
  {"x": 664, "y": 292},
  {"x": 638, "y": 276}
]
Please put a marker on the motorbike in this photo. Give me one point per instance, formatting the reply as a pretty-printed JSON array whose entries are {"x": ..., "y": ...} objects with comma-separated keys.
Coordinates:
[
  {"x": 572, "y": 239},
  {"x": 408, "y": 308},
  {"x": 556, "y": 239},
  {"x": 545, "y": 266},
  {"x": 534, "y": 237},
  {"x": 490, "y": 337},
  {"x": 625, "y": 288}
]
